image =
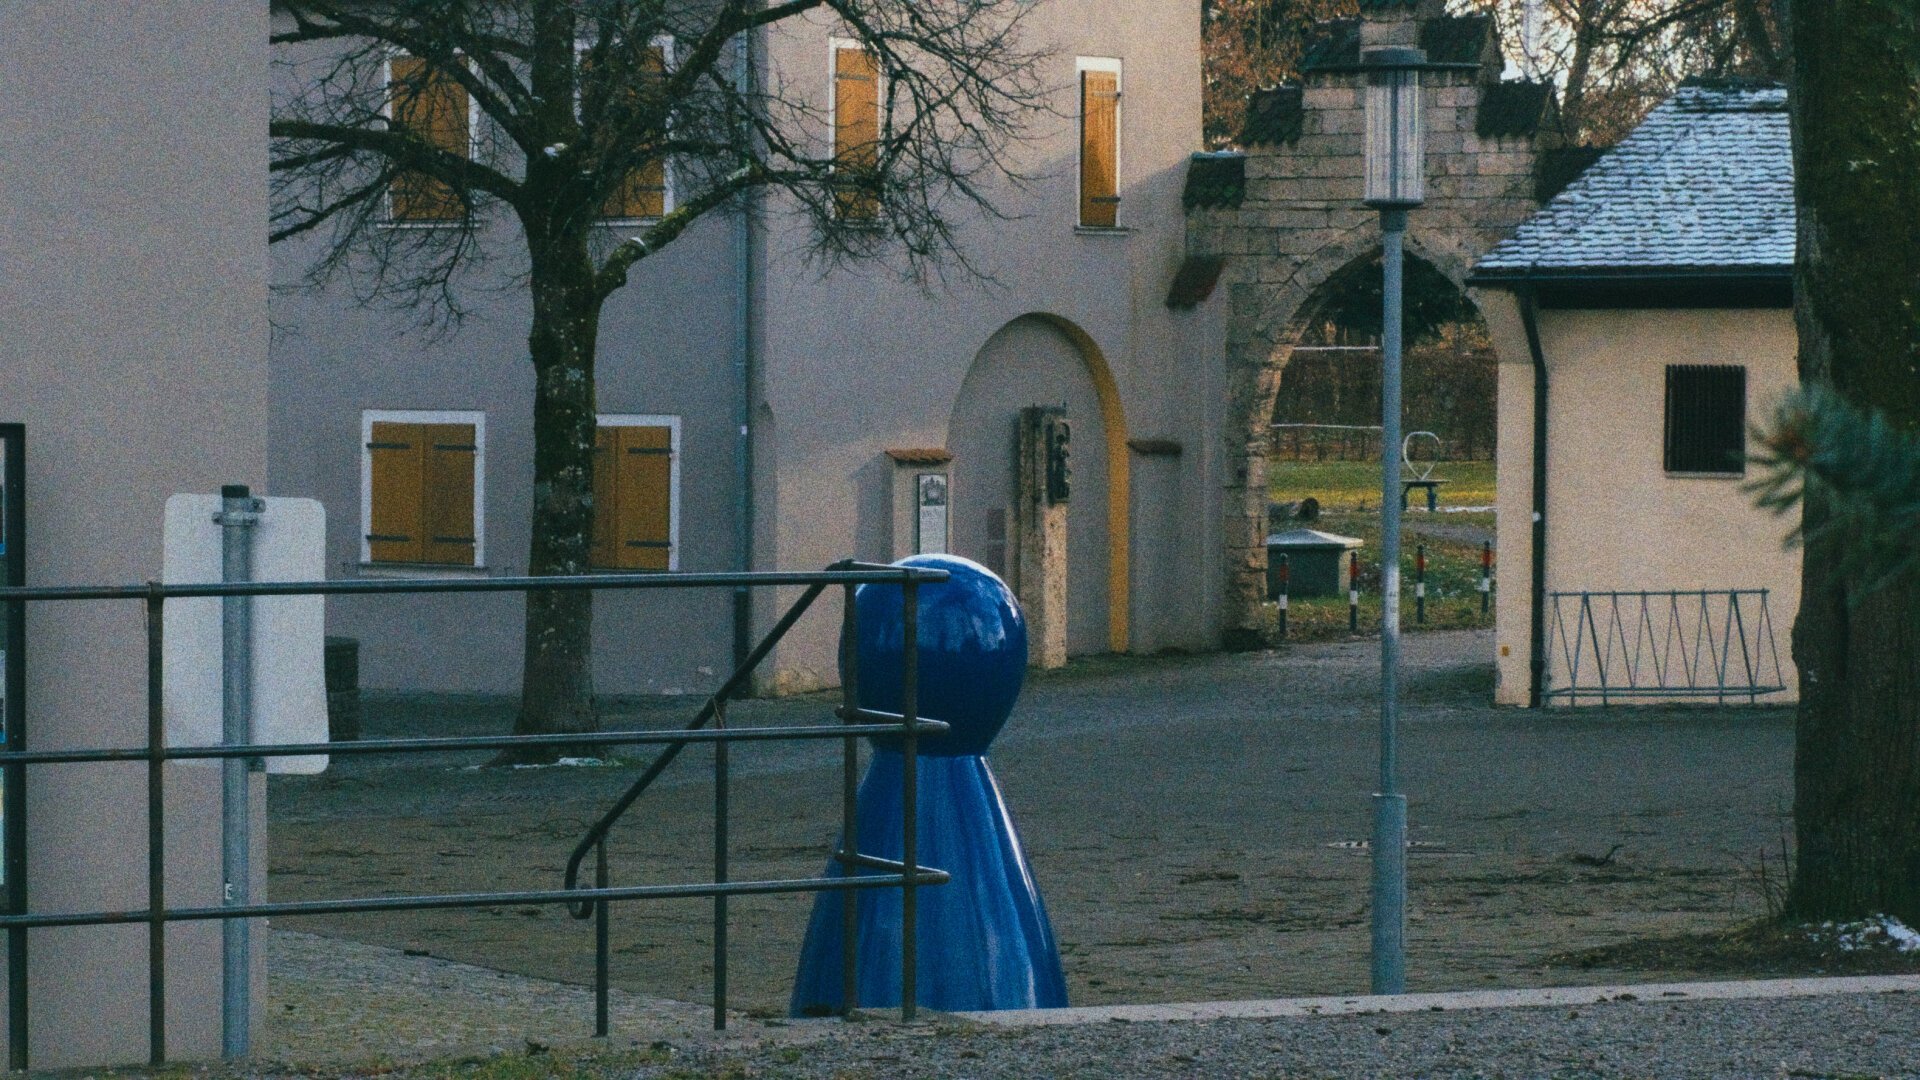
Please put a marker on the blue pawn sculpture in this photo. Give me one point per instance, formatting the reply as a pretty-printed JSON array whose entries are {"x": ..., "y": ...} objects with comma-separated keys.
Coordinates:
[{"x": 984, "y": 939}]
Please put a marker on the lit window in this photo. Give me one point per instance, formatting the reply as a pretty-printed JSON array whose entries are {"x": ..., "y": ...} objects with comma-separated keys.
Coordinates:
[
  {"x": 432, "y": 104},
  {"x": 644, "y": 193},
  {"x": 856, "y": 129},
  {"x": 636, "y": 493},
  {"x": 1099, "y": 142},
  {"x": 421, "y": 486}
]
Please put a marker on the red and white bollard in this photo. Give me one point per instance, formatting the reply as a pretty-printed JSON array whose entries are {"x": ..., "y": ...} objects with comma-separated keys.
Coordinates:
[
  {"x": 1284, "y": 569},
  {"x": 1420, "y": 584},
  {"x": 1353, "y": 592},
  {"x": 1486, "y": 575}
]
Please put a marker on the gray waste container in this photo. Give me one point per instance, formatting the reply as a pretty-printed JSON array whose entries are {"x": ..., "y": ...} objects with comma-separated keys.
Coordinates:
[{"x": 1316, "y": 562}]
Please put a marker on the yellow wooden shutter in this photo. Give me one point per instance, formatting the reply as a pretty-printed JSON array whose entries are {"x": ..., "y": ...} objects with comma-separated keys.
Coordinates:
[
  {"x": 1099, "y": 148},
  {"x": 606, "y": 499},
  {"x": 397, "y": 453},
  {"x": 856, "y": 129},
  {"x": 644, "y": 474},
  {"x": 448, "y": 471},
  {"x": 434, "y": 106},
  {"x": 642, "y": 193}
]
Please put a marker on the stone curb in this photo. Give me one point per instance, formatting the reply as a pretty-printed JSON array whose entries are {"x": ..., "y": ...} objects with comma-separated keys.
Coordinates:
[{"x": 1755, "y": 989}]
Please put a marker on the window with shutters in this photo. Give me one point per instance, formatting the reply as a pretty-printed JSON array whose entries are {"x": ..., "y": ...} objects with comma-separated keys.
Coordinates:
[
  {"x": 430, "y": 102},
  {"x": 422, "y": 485},
  {"x": 855, "y": 106},
  {"x": 645, "y": 193},
  {"x": 1706, "y": 419},
  {"x": 636, "y": 493},
  {"x": 1099, "y": 142}
]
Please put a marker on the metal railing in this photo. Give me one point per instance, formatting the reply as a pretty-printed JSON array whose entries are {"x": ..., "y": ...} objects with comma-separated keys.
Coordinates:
[
  {"x": 905, "y": 874},
  {"x": 1679, "y": 644}
]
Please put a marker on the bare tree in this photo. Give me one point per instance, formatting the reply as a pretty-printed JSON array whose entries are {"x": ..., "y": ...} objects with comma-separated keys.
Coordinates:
[
  {"x": 581, "y": 106},
  {"x": 1249, "y": 45},
  {"x": 1612, "y": 59},
  {"x": 1615, "y": 59}
]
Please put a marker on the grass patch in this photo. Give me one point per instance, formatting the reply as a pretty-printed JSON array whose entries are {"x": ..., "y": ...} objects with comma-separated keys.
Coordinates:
[
  {"x": 1351, "y": 485},
  {"x": 1761, "y": 947}
]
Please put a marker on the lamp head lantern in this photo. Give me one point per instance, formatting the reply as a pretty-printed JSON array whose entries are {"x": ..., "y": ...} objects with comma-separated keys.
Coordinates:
[{"x": 1396, "y": 173}]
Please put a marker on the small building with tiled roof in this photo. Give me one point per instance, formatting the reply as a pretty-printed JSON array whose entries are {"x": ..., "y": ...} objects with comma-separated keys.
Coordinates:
[{"x": 1644, "y": 323}]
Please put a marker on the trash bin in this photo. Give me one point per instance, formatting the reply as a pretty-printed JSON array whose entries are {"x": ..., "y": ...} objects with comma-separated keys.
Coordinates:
[
  {"x": 343, "y": 688},
  {"x": 1316, "y": 562}
]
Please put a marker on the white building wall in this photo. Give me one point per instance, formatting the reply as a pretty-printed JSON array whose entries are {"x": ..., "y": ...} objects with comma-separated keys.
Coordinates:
[
  {"x": 860, "y": 361},
  {"x": 133, "y": 337},
  {"x": 1616, "y": 520}
]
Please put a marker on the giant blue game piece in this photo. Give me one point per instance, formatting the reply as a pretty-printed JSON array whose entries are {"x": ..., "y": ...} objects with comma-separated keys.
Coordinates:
[{"x": 984, "y": 940}]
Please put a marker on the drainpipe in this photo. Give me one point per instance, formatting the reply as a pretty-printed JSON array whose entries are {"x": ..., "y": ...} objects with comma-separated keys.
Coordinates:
[
  {"x": 743, "y": 376},
  {"x": 1537, "y": 613}
]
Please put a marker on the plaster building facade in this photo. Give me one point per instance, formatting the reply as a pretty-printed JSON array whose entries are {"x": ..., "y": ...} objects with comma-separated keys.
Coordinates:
[
  {"x": 790, "y": 413},
  {"x": 1644, "y": 324},
  {"x": 133, "y": 339}
]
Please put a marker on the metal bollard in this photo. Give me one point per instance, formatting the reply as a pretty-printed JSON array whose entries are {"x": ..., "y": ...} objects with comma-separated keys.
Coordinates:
[
  {"x": 1282, "y": 630},
  {"x": 1420, "y": 584},
  {"x": 1353, "y": 592},
  {"x": 1486, "y": 575}
]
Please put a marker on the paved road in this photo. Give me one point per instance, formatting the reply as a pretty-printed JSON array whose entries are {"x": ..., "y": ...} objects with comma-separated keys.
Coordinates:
[{"x": 1191, "y": 821}]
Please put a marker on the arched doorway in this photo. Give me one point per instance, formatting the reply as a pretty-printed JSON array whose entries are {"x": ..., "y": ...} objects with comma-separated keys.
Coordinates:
[
  {"x": 1041, "y": 359},
  {"x": 1333, "y": 280}
]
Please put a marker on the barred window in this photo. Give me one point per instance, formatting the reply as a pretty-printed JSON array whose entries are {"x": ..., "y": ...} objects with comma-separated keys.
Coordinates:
[{"x": 1706, "y": 419}]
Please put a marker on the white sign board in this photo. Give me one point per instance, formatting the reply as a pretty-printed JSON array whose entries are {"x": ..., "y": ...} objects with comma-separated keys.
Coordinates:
[
  {"x": 930, "y": 502},
  {"x": 289, "y": 673}
]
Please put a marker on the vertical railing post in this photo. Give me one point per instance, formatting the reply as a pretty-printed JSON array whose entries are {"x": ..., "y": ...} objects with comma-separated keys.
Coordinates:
[
  {"x": 850, "y": 804},
  {"x": 910, "y": 800},
  {"x": 720, "y": 815},
  {"x": 601, "y": 934},
  {"x": 156, "y": 832}
]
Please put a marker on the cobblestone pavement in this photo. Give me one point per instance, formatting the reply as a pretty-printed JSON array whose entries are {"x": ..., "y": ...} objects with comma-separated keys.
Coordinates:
[{"x": 1192, "y": 821}]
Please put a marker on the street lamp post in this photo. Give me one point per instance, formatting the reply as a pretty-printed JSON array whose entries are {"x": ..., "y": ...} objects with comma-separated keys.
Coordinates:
[{"x": 1395, "y": 183}]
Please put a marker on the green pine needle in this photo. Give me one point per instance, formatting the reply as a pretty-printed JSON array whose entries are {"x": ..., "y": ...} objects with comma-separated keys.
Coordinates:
[{"x": 1865, "y": 473}]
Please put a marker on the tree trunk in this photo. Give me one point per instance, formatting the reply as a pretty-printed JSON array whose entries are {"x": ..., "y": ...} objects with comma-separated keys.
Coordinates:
[
  {"x": 1856, "y": 133},
  {"x": 556, "y": 693}
]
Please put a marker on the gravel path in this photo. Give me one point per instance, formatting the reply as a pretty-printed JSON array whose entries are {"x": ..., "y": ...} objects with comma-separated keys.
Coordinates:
[
  {"x": 1854, "y": 1036},
  {"x": 337, "y": 1001},
  {"x": 427, "y": 1009}
]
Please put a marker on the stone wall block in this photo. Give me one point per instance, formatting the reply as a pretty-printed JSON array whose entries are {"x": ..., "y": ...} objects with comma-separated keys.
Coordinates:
[{"x": 1325, "y": 96}]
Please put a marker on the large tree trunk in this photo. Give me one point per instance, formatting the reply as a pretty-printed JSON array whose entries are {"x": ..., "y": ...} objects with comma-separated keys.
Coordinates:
[
  {"x": 1856, "y": 132},
  {"x": 557, "y": 681}
]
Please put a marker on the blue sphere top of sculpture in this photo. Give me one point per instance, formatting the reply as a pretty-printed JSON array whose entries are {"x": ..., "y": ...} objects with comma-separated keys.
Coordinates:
[{"x": 973, "y": 653}]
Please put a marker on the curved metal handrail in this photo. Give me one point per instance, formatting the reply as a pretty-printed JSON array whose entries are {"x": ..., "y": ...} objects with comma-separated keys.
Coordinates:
[{"x": 597, "y": 833}]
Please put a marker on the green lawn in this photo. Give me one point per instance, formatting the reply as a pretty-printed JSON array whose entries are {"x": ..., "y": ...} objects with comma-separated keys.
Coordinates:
[
  {"x": 1350, "y": 485},
  {"x": 1349, "y": 495}
]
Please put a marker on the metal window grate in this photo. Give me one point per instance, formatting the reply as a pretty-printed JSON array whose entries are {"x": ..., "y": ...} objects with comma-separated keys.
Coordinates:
[{"x": 1706, "y": 419}]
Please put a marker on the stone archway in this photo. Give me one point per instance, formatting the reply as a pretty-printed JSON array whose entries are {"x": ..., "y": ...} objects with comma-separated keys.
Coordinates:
[{"x": 1284, "y": 217}]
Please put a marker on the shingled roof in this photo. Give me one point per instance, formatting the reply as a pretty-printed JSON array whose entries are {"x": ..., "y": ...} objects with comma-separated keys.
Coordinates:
[
  {"x": 1215, "y": 180},
  {"x": 1703, "y": 187},
  {"x": 1274, "y": 116}
]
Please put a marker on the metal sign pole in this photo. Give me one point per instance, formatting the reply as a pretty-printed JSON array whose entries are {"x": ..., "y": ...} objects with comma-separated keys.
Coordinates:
[
  {"x": 1389, "y": 806},
  {"x": 239, "y": 513}
]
